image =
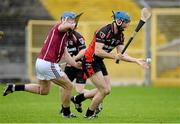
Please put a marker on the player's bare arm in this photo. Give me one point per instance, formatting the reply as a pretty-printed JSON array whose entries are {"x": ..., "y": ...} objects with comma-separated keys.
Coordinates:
[
  {"x": 101, "y": 53},
  {"x": 80, "y": 54},
  {"x": 127, "y": 58},
  {"x": 67, "y": 57}
]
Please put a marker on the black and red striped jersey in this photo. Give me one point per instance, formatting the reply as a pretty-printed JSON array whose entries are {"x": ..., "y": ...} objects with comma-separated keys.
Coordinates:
[
  {"x": 110, "y": 40},
  {"x": 106, "y": 36},
  {"x": 76, "y": 42}
]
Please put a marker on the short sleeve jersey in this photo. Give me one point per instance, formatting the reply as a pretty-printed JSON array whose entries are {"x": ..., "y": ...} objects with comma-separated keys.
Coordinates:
[
  {"x": 75, "y": 43},
  {"x": 106, "y": 36},
  {"x": 110, "y": 40},
  {"x": 54, "y": 45}
]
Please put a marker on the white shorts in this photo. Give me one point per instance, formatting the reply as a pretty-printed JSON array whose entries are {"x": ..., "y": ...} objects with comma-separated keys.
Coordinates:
[{"x": 46, "y": 70}]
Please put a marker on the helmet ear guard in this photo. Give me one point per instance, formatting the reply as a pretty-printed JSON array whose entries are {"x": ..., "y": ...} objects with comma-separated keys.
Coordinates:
[
  {"x": 119, "y": 24},
  {"x": 64, "y": 18},
  {"x": 119, "y": 27},
  {"x": 120, "y": 15}
]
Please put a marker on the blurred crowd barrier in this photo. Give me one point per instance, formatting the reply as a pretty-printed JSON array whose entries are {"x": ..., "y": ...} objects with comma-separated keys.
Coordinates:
[{"x": 12, "y": 50}]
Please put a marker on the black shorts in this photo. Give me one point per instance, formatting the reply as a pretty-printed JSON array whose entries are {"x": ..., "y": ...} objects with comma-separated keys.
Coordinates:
[
  {"x": 74, "y": 73},
  {"x": 91, "y": 68},
  {"x": 102, "y": 67}
]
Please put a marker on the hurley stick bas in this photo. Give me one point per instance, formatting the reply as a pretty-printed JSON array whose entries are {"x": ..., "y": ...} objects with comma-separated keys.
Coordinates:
[{"x": 145, "y": 15}]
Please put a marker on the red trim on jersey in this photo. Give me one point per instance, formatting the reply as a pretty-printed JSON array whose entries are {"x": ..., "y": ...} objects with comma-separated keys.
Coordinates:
[
  {"x": 108, "y": 35},
  {"x": 90, "y": 50}
]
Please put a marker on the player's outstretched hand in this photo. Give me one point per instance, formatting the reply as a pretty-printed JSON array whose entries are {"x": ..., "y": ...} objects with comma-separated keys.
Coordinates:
[{"x": 143, "y": 63}]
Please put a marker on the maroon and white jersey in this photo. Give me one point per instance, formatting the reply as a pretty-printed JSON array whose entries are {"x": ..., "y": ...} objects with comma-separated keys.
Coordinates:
[{"x": 54, "y": 45}]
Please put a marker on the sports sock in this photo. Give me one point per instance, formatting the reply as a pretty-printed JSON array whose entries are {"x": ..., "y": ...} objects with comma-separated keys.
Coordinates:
[
  {"x": 66, "y": 111},
  {"x": 89, "y": 112},
  {"x": 79, "y": 98},
  {"x": 19, "y": 87}
]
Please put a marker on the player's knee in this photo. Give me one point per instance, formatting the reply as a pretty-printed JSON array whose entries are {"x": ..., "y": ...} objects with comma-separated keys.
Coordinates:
[
  {"x": 69, "y": 86},
  {"x": 43, "y": 91},
  {"x": 80, "y": 90},
  {"x": 104, "y": 91},
  {"x": 107, "y": 91}
]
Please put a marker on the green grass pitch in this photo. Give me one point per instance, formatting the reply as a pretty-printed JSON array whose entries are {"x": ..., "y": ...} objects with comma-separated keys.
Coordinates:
[{"x": 123, "y": 105}]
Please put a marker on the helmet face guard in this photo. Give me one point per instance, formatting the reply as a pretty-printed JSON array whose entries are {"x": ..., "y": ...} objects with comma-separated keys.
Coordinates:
[{"x": 120, "y": 15}]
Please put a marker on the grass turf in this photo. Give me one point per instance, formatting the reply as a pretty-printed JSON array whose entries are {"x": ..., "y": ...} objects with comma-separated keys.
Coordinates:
[{"x": 123, "y": 105}]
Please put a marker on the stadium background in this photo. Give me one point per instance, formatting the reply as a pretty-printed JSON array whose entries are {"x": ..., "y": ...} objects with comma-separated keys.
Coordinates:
[
  {"x": 158, "y": 40},
  {"x": 26, "y": 24}
]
